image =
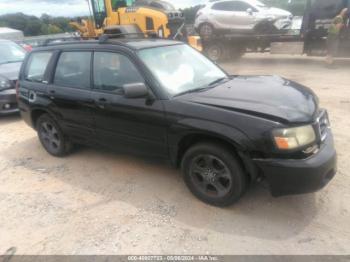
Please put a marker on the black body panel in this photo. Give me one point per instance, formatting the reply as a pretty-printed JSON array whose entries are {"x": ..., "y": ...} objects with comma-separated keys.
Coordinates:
[
  {"x": 288, "y": 177},
  {"x": 242, "y": 113}
]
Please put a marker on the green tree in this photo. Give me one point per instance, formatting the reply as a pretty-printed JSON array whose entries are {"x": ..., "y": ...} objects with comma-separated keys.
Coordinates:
[
  {"x": 190, "y": 13},
  {"x": 53, "y": 29}
]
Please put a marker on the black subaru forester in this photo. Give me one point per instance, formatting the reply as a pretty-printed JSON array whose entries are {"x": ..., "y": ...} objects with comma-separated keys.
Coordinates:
[{"x": 162, "y": 98}]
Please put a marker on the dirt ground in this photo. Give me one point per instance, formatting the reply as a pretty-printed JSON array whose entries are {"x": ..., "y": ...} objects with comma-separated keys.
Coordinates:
[{"x": 98, "y": 202}]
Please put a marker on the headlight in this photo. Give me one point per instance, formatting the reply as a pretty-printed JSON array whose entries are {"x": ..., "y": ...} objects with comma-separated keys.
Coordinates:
[
  {"x": 293, "y": 138},
  {"x": 4, "y": 83}
]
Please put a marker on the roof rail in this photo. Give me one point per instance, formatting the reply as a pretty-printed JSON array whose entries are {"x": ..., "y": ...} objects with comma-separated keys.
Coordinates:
[
  {"x": 54, "y": 41},
  {"x": 105, "y": 37}
]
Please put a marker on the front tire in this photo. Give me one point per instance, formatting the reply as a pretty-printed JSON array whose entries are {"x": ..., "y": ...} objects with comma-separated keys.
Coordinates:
[
  {"x": 51, "y": 136},
  {"x": 206, "y": 31},
  {"x": 213, "y": 174}
]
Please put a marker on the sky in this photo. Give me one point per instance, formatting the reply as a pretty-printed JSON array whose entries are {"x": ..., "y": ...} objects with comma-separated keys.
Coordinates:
[{"x": 63, "y": 7}]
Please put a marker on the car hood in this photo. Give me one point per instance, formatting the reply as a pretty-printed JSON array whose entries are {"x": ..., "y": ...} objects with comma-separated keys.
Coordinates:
[
  {"x": 276, "y": 12},
  {"x": 271, "y": 97},
  {"x": 10, "y": 70}
]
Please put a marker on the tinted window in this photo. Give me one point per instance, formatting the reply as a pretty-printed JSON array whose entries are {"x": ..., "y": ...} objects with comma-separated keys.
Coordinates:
[
  {"x": 73, "y": 70},
  {"x": 112, "y": 71},
  {"x": 36, "y": 66},
  {"x": 236, "y": 6}
]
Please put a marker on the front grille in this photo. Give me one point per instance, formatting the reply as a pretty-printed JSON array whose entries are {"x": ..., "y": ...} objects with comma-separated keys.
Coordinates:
[{"x": 322, "y": 125}]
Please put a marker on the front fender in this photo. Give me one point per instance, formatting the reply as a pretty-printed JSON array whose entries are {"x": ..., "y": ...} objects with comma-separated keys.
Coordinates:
[{"x": 192, "y": 127}]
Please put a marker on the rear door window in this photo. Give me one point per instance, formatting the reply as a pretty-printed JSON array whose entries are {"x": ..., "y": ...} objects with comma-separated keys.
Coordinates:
[
  {"x": 36, "y": 67},
  {"x": 73, "y": 70},
  {"x": 222, "y": 6},
  {"x": 239, "y": 6}
]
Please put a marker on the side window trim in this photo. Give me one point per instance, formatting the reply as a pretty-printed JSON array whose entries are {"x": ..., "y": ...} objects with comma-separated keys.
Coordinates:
[
  {"x": 51, "y": 68},
  {"x": 55, "y": 65},
  {"x": 118, "y": 52}
]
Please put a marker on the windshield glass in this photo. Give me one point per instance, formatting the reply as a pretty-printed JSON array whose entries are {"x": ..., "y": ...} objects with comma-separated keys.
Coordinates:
[
  {"x": 10, "y": 53},
  {"x": 180, "y": 69}
]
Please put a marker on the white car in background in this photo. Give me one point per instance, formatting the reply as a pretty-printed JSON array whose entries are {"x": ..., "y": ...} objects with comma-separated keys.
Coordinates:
[{"x": 241, "y": 16}]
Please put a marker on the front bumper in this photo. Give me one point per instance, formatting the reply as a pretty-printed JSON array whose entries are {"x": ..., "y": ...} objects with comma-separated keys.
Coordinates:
[
  {"x": 283, "y": 24},
  {"x": 8, "y": 102},
  {"x": 287, "y": 177}
]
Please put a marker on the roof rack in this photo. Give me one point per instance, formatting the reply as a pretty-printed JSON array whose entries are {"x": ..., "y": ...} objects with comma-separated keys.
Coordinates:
[
  {"x": 59, "y": 40},
  {"x": 104, "y": 38}
]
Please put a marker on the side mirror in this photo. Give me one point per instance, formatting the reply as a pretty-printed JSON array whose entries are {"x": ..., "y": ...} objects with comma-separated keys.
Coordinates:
[
  {"x": 135, "y": 90},
  {"x": 250, "y": 11}
]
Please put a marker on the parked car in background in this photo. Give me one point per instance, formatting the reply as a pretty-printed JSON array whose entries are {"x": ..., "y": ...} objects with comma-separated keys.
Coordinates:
[
  {"x": 11, "y": 34},
  {"x": 11, "y": 57},
  {"x": 164, "y": 99},
  {"x": 241, "y": 16}
]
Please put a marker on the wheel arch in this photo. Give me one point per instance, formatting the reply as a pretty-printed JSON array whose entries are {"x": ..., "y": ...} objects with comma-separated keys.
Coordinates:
[
  {"x": 36, "y": 113},
  {"x": 237, "y": 149}
]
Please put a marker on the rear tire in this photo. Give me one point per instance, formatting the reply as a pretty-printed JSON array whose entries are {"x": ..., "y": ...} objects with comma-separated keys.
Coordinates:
[
  {"x": 213, "y": 174},
  {"x": 217, "y": 51},
  {"x": 52, "y": 137}
]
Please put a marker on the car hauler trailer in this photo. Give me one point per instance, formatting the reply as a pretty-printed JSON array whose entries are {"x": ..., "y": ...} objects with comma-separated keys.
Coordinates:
[{"x": 311, "y": 39}]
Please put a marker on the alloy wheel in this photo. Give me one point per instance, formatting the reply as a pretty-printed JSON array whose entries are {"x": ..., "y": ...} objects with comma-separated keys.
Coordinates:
[
  {"x": 50, "y": 136},
  {"x": 211, "y": 176}
]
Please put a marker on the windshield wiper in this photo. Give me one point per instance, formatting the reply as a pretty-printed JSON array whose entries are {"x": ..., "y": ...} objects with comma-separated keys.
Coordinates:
[
  {"x": 192, "y": 91},
  {"x": 209, "y": 86},
  {"x": 219, "y": 80}
]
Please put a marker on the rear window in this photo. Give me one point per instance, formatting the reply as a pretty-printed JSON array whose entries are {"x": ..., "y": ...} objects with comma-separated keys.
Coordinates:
[
  {"x": 73, "y": 70},
  {"x": 37, "y": 65}
]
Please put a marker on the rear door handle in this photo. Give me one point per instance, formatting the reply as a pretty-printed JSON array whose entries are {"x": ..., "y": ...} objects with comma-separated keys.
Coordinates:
[
  {"x": 102, "y": 100},
  {"x": 52, "y": 92}
]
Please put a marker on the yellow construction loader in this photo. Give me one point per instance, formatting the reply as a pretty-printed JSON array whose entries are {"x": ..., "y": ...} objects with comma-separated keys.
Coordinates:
[{"x": 152, "y": 17}]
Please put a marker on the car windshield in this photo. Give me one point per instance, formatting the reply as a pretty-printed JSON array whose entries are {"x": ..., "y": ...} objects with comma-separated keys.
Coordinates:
[
  {"x": 11, "y": 53},
  {"x": 180, "y": 68}
]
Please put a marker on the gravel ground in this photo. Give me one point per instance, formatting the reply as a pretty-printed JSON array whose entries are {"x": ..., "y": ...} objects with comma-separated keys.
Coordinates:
[{"x": 98, "y": 202}]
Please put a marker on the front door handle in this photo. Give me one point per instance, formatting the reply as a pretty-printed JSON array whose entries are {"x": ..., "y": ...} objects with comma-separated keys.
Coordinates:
[
  {"x": 52, "y": 92},
  {"x": 101, "y": 102}
]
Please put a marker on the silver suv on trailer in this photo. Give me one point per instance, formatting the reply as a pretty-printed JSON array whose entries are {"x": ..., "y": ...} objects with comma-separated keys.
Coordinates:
[{"x": 240, "y": 16}]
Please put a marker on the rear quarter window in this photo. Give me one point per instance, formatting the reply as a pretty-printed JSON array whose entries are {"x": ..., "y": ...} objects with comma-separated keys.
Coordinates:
[{"x": 36, "y": 66}]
